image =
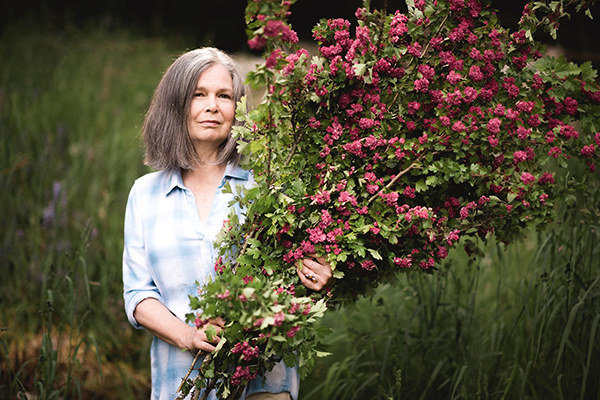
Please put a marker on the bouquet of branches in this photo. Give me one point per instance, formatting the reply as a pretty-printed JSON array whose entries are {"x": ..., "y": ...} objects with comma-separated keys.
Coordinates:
[{"x": 403, "y": 135}]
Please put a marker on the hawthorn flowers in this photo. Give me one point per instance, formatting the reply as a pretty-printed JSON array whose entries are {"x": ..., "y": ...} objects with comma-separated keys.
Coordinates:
[{"x": 406, "y": 133}]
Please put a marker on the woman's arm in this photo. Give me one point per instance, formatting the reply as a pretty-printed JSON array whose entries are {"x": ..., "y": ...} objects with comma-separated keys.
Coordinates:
[{"x": 158, "y": 320}]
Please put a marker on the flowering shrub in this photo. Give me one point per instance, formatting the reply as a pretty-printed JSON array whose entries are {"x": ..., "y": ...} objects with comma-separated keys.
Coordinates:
[
  {"x": 266, "y": 322},
  {"x": 405, "y": 134}
]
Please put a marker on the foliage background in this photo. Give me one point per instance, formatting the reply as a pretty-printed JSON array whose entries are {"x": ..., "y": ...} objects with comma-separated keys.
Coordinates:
[{"x": 516, "y": 323}]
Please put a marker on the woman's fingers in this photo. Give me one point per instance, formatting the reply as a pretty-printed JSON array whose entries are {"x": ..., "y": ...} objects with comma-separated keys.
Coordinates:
[
  {"x": 220, "y": 322},
  {"x": 307, "y": 276},
  {"x": 320, "y": 266},
  {"x": 315, "y": 275}
]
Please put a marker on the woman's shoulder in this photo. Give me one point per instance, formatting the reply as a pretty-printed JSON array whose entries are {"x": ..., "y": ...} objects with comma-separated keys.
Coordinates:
[{"x": 158, "y": 181}]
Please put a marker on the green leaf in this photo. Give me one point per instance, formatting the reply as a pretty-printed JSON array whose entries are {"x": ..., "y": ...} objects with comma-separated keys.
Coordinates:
[
  {"x": 211, "y": 333},
  {"x": 511, "y": 196},
  {"x": 248, "y": 292},
  {"x": 375, "y": 254},
  {"x": 359, "y": 69},
  {"x": 337, "y": 274},
  {"x": 421, "y": 186}
]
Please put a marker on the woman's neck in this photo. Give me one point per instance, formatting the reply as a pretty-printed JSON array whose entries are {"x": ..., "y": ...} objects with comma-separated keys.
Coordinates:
[{"x": 205, "y": 173}]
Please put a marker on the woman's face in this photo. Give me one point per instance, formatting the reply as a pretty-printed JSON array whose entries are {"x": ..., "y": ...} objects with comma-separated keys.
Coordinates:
[{"x": 212, "y": 110}]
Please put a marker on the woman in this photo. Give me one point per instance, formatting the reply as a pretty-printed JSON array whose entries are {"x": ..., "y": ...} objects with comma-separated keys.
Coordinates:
[{"x": 174, "y": 215}]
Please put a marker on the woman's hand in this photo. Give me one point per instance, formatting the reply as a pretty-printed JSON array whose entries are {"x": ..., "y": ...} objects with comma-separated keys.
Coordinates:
[
  {"x": 315, "y": 272},
  {"x": 158, "y": 320},
  {"x": 197, "y": 339}
]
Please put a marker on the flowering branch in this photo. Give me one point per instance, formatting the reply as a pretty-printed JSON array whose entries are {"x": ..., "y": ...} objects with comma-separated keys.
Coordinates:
[
  {"x": 489, "y": 117},
  {"x": 433, "y": 37},
  {"x": 396, "y": 179}
]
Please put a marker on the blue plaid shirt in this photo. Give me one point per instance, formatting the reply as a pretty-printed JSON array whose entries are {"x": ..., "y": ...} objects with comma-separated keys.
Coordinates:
[{"x": 168, "y": 249}]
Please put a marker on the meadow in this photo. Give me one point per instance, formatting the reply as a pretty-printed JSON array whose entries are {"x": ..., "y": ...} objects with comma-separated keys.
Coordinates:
[{"x": 512, "y": 322}]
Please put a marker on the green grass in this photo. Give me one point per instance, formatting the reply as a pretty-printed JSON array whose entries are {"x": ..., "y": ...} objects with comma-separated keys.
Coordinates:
[
  {"x": 72, "y": 104},
  {"x": 518, "y": 322}
]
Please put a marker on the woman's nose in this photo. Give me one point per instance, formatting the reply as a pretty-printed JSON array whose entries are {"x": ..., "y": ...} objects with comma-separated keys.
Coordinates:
[{"x": 211, "y": 104}]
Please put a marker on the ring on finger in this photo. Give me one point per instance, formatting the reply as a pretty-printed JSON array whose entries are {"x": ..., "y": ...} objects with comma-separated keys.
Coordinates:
[{"x": 311, "y": 277}]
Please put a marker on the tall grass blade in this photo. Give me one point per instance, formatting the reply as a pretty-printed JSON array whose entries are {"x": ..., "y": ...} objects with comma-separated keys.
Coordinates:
[
  {"x": 586, "y": 370},
  {"x": 571, "y": 320},
  {"x": 434, "y": 375},
  {"x": 458, "y": 380}
]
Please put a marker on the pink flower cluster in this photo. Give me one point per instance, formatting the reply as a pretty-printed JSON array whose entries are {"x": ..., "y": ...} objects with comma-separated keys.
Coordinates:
[
  {"x": 241, "y": 374},
  {"x": 248, "y": 352}
]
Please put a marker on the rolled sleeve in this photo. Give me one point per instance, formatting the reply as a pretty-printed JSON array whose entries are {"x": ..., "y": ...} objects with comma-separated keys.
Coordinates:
[{"x": 138, "y": 283}]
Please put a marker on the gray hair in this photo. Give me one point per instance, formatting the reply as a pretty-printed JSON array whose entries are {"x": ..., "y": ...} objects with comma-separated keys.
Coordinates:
[{"x": 165, "y": 130}]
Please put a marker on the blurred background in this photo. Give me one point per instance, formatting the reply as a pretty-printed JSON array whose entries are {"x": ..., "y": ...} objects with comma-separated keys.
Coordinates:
[{"x": 76, "y": 79}]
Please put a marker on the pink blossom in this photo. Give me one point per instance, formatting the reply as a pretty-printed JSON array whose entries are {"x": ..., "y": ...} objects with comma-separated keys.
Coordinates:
[
  {"x": 409, "y": 192},
  {"x": 458, "y": 127},
  {"x": 452, "y": 237},
  {"x": 527, "y": 178},
  {"x": 464, "y": 213},
  {"x": 292, "y": 332},
  {"x": 493, "y": 141},
  {"x": 427, "y": 264},
  {"x": 322, "y": 197},
  {"x": 475, "y": 54},
  {"x": 427, "y": 71},
  {"x": 525, "y": 106},
  {"x": 372, "y": 188},
  {"x": 546, "y": 177},
  {"x": 316, "y": 235},
  {"x": 442, "y": 252},
  {"x": 413, "y": 107},
  {"x": 555, "y": 152},
  {"x": 519, "y": 156},
  {"x": 470, "y": 94},
  {"x": 355, "y": 148},
  {"x": 499, "y": 110},
  {"x": 272, "y": 59},
  {"x": 242, "y": 373},
  {"x": 493, "y": 125},
  {"x": 200, "y": 322},
  {"x": 257, "y": 43},
  {"x": 453, "y": 77},
  {"x": 313, "y": 123},
  {"x": 523, "y": 133},
  {"x": 570, "y": 105},
  {"x": 414, "y": 49},
  {"x": 403, "y": 262},
  {"x": 475, "y": 73},
  {"x": 366, "y": 123},
  {"x": 369, "y": 265},
  {"x": 347, "y": 197},
  {"x": 422, "y": 85},
  {"x": 273, "y": 28},
  {"x": 279, "y": 318},
  {"x": 249, "y": 352},
  {"x": 588, "y": 151}
]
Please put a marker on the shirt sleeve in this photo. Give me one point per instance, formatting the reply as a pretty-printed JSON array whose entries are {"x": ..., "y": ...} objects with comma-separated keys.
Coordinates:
[{"x": 138, "y": 283}]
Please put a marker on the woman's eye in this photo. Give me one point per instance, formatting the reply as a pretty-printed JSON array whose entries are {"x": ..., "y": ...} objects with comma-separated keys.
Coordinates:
[
  {"x": 198, "y": 94},
  {"x": 225, "y": 96}
]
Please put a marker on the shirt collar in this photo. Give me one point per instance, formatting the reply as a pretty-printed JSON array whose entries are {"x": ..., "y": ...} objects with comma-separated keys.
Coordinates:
[{"x": 176, "y": 179}]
